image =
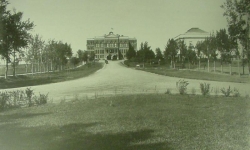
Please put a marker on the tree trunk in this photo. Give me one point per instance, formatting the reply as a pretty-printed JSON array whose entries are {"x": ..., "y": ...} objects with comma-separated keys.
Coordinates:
[
  {"x": 32, "y": 68},
  {"x": 52, "y": 66},
  {"x": 208, "y": 65},
  {"x": 248, "y": 69},
  {"x": 214, "y": 66},
  {"x": 221, "y": 68},
  {"x": 26, "y": 68},
  {"x": 174, "y": 63},
  {"x": 239, "y": 67},
  {"x": 14, "y": 64},
  {"x": 38, "y": 66},
  {"x": 6, "y": 70},
  {"x": 230, "y": 66},
  {"x": 188, "y": 64},
  {"x": 199, "y": 63},
  {"x": 171, "y": 63}
]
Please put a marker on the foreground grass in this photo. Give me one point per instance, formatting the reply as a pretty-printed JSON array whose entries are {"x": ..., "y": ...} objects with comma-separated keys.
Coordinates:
[
  {"x": 45, "y": 78},
  {"x": 135, "y": 122}
]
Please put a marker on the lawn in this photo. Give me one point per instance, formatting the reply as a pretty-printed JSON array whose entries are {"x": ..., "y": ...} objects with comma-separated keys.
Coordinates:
[
  {"x": 134, "y": 122},
  {"x": 196, "y": 73},
  {"x": 46, "y": 78}
]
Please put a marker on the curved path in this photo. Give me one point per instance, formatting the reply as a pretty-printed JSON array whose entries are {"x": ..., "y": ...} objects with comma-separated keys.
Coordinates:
[{"x": 114, "y": 78}]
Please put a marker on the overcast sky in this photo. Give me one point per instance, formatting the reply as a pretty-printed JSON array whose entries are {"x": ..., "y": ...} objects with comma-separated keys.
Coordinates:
[{"x": 154, "y": 21}]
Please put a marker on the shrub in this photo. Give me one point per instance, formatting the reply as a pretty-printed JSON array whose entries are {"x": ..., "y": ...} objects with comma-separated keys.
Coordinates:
[
  {"x": 21, "y": 98},
  {"x": 226, "y": 92},
  {"x": 181, "y": 86},
  {"x": 29, "y": 94},
  {"x": 3, "y": 100},
  {"x": 168, "y": 91},
  {"x": 42, "y": 99},
  {"x": 236, "y": 93},
  {"x": 205, "y": 88}
]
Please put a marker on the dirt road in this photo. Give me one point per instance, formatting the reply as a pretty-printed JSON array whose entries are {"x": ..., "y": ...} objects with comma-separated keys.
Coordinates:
[{"x": 114, "y": 78}]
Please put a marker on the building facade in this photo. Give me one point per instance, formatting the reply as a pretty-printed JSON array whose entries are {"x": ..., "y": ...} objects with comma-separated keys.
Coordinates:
[
  {"x": 108, "y": 46},
  {"x": 192, "y": 36}
]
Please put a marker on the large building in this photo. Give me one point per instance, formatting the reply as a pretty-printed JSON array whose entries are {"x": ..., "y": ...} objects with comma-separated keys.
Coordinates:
[
  {"x": 192, "y": 36},
  {"x": 107, "y": 46}
]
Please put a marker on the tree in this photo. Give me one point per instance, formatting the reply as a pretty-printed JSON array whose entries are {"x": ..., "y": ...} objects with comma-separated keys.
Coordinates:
[
  {"x": 213, "y": 48},
  {"x": 74, "y": 61},
  {"x": 63, "y": 53},
  {"x": 145, "y": 53},
  {"x": 35, "y": 51},
  {"x": 204, "y": 49},
  {"x": 14, "y": 33},
  {"x": 182, "y": 47},
  {"x": 131, "y": 53},
  {"x": 85, "y": 56},
  {"x": 91, "y": 56},
  {"x": 199, "y": 51},
  {"x": 158, "y": 55},
  {"x": 190, "y": 55},
  {"x": 171, "y": 51},
  {"x": 80, "y": 54},
  {"x": 237, "y": 14},
  {"x": 222, "y": 45}
]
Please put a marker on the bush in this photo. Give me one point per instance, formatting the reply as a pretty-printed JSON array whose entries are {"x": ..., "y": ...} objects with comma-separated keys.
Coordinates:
[
  {"x": 226, "y": 92},
  {"x": 29, "y": 94},
  {"x": 236, "y": 93},
  {"x": 42, "y": 99},
  {"x": 3, "y": 100},
  {"x": 205, "y": 88},
  {"x": 181, "y": 86},
  {"x": 168, "y": 91},
  {"x": 18, "y": 98}
]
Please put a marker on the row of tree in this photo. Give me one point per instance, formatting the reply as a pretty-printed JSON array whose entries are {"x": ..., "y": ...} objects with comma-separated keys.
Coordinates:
[
  {"x": 17, "y": 43},
  {"x": 221, "y": 45},
  {"x": 216, "y": 46},
  {"x": 46, "y": 57},
  {"x": 14, "y": 34}
]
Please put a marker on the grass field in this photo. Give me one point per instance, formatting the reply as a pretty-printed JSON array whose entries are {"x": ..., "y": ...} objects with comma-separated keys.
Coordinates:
[
  {"x": 134, "y": 122},
  {"x": 198, "y": 74},
  {"x": 52, "y": 77}
]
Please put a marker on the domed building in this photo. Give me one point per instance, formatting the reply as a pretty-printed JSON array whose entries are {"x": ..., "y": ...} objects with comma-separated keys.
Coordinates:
[{"x": 192, "y": 36}]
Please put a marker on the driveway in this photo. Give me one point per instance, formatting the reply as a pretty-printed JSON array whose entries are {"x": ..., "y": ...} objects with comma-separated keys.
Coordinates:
[{"x": 114, "y": 78}]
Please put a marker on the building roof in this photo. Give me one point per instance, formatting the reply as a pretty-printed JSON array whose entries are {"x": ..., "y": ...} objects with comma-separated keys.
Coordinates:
[
  {"x": 111, "y": 36},
  {"x": 195, "y": 30},
  {"x": 193, "y": 33}
]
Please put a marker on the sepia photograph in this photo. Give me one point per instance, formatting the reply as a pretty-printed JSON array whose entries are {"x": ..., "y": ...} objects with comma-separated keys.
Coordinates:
[{"x": 124, "y": 75}]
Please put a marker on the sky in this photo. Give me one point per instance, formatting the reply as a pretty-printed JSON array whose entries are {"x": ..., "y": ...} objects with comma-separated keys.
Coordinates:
[{"x": 154, "y": 21}]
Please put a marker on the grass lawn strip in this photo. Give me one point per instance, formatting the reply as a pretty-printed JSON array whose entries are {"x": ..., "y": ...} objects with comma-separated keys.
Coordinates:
[
  {"x": 132, "y": 122},
  {"x": 46, "y": 78},
  {"x": 192, "y": 74}
]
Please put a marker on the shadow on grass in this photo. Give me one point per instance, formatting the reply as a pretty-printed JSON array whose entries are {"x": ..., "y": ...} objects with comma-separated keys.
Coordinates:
[
  {"x": 12, "y": 117},
  {"x": 74, "y": 137}
]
